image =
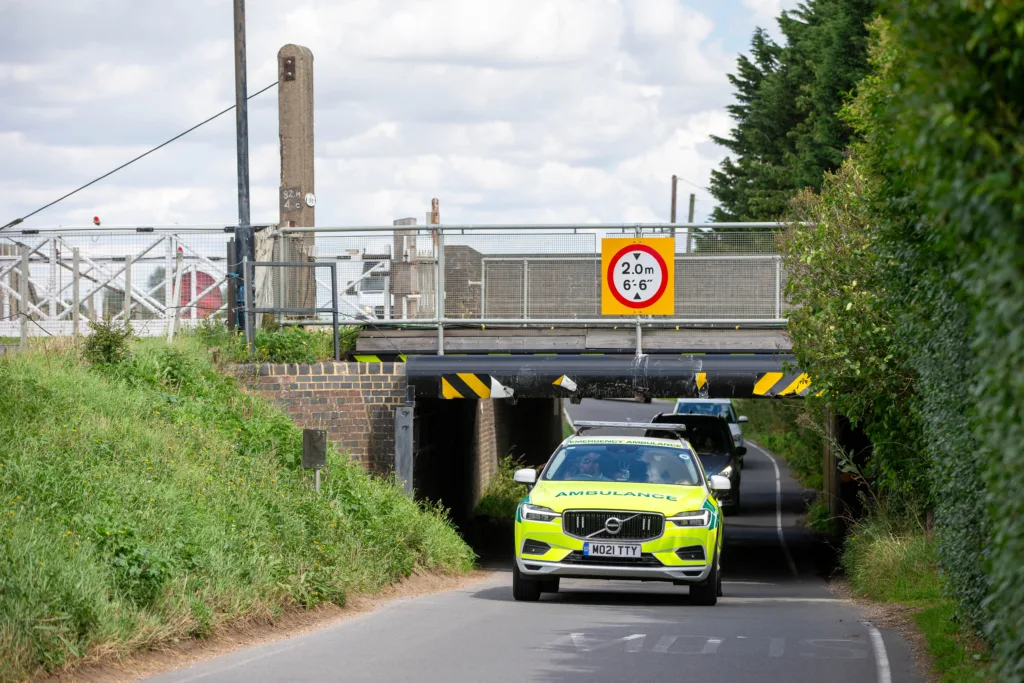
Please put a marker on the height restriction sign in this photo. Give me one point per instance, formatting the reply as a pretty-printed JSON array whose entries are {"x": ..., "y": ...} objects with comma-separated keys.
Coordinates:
[{"x": 638, "y": 276}]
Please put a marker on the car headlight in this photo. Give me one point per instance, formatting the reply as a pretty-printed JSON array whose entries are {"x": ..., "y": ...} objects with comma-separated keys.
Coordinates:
[
  {"x": 694, "y": 518},
  {"x": 726, "y": 471},
  {"x": 537, "y": 513}
]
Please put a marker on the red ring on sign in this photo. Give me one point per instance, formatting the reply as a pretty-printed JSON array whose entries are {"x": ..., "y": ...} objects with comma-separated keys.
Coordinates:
[{"x": 610, "y": 276}]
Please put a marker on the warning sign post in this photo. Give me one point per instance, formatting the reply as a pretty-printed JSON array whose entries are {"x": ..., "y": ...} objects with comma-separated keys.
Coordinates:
[{"x": 638, "y": 276}]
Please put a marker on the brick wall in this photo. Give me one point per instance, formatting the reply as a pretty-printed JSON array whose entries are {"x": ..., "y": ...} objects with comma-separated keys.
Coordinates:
[{"x": 354, "y": 402}]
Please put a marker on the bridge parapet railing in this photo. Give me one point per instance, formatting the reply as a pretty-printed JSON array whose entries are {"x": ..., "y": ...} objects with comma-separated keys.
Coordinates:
[
  {"x": 535, "y": 275},
  {"x": 434, "y": 275}
]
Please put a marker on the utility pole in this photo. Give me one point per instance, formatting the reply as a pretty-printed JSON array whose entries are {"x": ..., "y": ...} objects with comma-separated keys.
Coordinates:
[
  {"x": 675, "y": 184},
  {"x": 244, "y": 237},
  {"x": 298, "y": 198},
  {"x": 693, "y": 198}
]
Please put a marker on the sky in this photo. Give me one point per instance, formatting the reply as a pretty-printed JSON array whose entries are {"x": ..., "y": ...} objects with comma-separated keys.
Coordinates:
[{"x": 508, "y": 111}]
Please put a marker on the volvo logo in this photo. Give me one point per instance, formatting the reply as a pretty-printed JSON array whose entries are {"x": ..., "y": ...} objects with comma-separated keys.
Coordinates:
[{"x": 613, "y": 525}]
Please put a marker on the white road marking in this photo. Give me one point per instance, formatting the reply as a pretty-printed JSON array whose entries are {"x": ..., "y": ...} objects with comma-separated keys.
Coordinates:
[
  {"x": 243, "y": 662},
  {"x": 567, "y": 418},
  {"x": 881, "y": 658},
  {"x": 750, "y": 583},
  {"x": 754, "y": 601},
  {"x": 778, "y": 511}
]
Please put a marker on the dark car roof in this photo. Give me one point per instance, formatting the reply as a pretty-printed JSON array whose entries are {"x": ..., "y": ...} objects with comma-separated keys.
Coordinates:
[{"x": 696, "y": 425}]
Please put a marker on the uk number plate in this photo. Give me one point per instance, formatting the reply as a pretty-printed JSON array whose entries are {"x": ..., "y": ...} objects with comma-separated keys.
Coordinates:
[{"x": 610, "y": 550}]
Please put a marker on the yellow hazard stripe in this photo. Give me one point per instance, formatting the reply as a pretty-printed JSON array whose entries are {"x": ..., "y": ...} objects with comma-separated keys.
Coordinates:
[
  {"x": 473, "y": 382},
  {"x": 797, "y": 385},
  {"x": 702, "y": 379},
  {"x": 368, "y": 359},
  {"x": 448, "y": 391},
  {"x": 766, "y": 383}
]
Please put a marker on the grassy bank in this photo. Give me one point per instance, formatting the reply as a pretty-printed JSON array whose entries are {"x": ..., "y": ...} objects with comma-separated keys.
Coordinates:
[
  {"x": 150, "y": 499},
  {"x": 895, "y": 563}
]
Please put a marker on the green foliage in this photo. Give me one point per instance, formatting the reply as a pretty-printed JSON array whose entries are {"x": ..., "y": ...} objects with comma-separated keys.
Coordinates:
[
  {"x": 287, "y": 344},
  {"x": 502, "y": 495},
  {"x": 843, "y": 328},
  {"x": 788, "y": 97},
  {"x": 156, "y": 500},
  {"x": 941, "y": 120},
  {"x": 786, "y": 428},
  {"x": 109, "y": 343},
  {"x": 891, "y": 559}
]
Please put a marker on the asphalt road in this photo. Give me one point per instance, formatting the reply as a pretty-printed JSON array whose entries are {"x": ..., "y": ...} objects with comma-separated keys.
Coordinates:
[{"x": 777, "y": 622}]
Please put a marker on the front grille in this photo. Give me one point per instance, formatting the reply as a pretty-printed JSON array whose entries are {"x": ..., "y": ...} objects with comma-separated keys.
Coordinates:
[
  {"x": 593, "y": 524},
  {"x": 645, "y": 560}
]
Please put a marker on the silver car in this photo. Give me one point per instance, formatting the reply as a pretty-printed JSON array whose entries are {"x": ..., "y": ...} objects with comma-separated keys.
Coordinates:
[{"x": 721, "y": 407}]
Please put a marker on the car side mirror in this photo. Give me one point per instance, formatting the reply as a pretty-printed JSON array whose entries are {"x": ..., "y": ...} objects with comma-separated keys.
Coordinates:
[
  {"x": 719, "y": 483},
  {"x": 741, "y": 450},
  {"x": 742, "y": 418},
  {"x": 525, "y": 476}
]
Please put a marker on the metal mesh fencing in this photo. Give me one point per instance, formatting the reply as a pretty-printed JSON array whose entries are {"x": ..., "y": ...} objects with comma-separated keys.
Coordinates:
[{"x": 121, "y": 275}]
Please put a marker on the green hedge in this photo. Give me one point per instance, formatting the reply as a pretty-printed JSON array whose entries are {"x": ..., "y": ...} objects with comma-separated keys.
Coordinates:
[{"x": 942, "y": 125}]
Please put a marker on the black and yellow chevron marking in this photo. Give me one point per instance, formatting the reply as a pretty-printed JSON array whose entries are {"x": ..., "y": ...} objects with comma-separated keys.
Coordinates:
[
  {"x": 782, "y": 384},
  {"x": 466, "y": 385}
]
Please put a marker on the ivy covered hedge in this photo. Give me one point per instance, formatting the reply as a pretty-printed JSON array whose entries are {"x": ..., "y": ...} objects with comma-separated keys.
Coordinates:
[
  {"x": 941, "y": 120},
  {"x": 906, "y": 261}
]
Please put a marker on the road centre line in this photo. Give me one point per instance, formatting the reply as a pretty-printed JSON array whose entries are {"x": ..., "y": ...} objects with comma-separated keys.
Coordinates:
[
  {"x": 778, "y": 510},
  {"x": 881, "y": 658}
]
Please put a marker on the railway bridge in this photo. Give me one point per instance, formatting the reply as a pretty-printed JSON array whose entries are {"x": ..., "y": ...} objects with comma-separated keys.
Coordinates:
[{"x": 467, "y": 337}]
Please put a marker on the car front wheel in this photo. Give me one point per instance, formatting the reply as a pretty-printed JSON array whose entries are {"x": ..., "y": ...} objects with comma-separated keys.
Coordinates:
[
  {"x": 524, "y": 589},
  {"x": 706, "y": 593}
]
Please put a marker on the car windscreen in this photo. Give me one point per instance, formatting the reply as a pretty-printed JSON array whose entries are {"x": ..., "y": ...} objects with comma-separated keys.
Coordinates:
[
  {"x": 624, "y": 462},
  {"x": 716, "y": 409}
]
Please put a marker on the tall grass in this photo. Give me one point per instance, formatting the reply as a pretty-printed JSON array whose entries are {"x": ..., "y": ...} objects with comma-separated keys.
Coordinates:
[
  {"x": 151, "y": 499},
  {"x": 502, "y": 495},
  {"x": 892, "y": 560},
  {"x": 781, "y": 427}
]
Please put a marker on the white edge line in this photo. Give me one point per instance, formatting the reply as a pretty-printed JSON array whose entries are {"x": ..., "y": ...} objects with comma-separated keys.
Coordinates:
[
  {"x": 778, "y": 511},
  {"x": 881, "y": 658},
  {"x": 235, "y": 665}
]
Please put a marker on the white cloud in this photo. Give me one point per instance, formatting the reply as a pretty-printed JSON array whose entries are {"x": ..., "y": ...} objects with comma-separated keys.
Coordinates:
[{"x": 508, "y": 110}]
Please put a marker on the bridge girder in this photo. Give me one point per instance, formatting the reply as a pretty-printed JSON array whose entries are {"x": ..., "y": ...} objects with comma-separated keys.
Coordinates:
[{"x": 607, "y": 376}]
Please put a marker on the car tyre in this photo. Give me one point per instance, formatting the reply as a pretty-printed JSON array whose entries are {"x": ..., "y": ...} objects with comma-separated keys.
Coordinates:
[
  {"x": 524, "y": 589},
  {"x": 706, "y": 593}
]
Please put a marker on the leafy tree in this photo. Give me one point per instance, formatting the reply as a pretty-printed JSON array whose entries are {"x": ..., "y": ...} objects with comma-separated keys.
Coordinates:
[
  {"x": 788, "y": 132},
  {"x": 844, "y": 331}
]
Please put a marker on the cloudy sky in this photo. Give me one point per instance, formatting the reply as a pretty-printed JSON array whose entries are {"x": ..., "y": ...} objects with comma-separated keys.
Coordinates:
[{"x": 507, "y": 110}]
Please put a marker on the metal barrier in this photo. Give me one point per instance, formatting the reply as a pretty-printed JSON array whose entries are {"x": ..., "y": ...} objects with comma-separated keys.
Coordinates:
[
  {"x": 53, "y": 281},
  {"x": 537, "y": 275},
  {"x": 439, "y": 275},
  {"x": 252, "y": 308}
]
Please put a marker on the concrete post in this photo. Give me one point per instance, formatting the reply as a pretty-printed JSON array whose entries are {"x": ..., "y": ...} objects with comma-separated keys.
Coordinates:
[{"x": 295, "y": 126}]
